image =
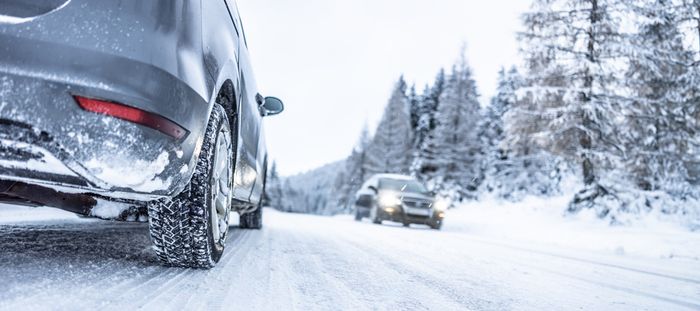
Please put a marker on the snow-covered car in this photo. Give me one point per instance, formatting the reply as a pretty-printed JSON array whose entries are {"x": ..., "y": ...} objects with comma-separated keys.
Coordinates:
[
  {"x": 401, "y": 199},
  {"x": 134, "y": 110}
]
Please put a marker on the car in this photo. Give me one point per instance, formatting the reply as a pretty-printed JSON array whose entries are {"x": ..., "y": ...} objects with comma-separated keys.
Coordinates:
[
  {"x": 134, "y": 110},
  {"x": 399, "y": 198}
]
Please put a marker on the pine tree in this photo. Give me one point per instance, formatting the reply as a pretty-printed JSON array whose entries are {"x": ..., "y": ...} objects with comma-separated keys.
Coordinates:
[
  {"x": 414, "y": 102},
  {"x": 390, "y": 149},
  {"x": 661, "y": 134},
  {"x": 425, "y": 127},
  {"x": 354, "y": 174},
  {"x": 453, "y": 150},
  {"x": 574, "y": 49},
  {"x": 273, "y": 189}
]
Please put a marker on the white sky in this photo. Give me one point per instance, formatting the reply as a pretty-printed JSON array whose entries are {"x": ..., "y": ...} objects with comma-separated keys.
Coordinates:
[{"x": 334, "y": 62}]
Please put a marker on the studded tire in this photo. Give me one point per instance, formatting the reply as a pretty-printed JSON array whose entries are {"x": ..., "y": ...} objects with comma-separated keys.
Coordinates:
[
  {"x": 181, "y": 227},
  {"x": 253, "y": 220}
]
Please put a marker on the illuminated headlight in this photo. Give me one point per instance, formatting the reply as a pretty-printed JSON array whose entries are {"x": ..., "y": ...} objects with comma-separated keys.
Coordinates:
[
  {"x": 441, "y": 205},
  {"x": 388, "y": 200}
]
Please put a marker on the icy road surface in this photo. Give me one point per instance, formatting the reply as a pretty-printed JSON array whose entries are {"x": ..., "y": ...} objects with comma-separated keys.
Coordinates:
[{"x": 52, "y": 260}]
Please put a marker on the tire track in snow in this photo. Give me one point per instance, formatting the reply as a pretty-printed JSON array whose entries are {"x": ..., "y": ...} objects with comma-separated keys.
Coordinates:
[
  {"x": 179, "y": 289},
  {"x": 567, "y": 261},
  {"x": 212, "y": 296},
  {"x": 582, "y": 260},
  {"x": 433, "y": 280}
]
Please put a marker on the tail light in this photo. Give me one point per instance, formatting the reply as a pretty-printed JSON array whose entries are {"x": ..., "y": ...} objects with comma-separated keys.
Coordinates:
[{"x": 132, "y": 114}]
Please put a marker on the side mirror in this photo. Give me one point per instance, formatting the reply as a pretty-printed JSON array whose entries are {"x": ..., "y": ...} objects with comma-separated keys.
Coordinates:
[
  {"x": 374, "y": 189},
  {"x": 271, "y": 106}
]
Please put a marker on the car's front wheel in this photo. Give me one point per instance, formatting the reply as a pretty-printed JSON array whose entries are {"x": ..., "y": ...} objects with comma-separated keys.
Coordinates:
[
  {"x": 358, "y": 216},
  {"x": 437, "y": 225},
  {"x": 190, "y": 230}
]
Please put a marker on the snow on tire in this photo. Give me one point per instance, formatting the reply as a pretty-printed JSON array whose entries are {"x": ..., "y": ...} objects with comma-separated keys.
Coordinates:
[{"x": 183, "y": 228}]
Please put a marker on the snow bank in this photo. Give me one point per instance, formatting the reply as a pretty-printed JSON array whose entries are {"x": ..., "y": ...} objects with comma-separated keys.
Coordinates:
[
  {"x": 11, "y": 214},
  {"x": 543, "y": 221}
]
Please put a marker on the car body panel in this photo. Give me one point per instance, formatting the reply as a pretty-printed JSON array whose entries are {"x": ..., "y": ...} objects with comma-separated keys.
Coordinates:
[{"x": 160, "y": 56}]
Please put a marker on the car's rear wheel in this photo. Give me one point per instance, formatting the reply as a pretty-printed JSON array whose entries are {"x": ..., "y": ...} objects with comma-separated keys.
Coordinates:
[
  {"x": 374, "y": 216},
  {"x": 253, "y": 220},
  {"x": 190, "y": 230}
]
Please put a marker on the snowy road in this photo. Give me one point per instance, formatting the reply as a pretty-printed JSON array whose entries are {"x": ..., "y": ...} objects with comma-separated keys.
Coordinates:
[{"x": 306, "y": 262}]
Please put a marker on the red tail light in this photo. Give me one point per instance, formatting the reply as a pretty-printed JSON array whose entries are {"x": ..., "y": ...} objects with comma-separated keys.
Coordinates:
[{"x": 132, "y": 114}]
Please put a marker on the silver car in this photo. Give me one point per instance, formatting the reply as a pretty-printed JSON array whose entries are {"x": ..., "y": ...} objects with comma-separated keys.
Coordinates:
[
  {"x": 399, "y": 198},
  {"x": 134, "y": 110}
]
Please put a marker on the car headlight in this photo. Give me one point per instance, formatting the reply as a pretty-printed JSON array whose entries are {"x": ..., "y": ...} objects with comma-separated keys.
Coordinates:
[
  {"x": 441, "y": 205},
  {"x": 388, "y": 200}
]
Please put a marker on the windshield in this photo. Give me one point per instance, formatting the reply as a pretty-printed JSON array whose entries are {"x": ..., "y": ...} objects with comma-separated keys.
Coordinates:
[{"x": 410, "y": 186}]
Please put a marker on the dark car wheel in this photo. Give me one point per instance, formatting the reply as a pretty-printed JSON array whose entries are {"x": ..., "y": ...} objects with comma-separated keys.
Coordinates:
[
  {"x": 358, "y": 216},
  {"x": 190, "y": 230},
  {"x": 436, "y": 225},
  {"x": 252, "y": 220},
  {"x": 374, "y": 215}
]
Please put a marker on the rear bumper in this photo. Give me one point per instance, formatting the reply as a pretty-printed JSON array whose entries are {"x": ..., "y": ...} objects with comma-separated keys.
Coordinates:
[
  {"x": 47, "y": 139},
  {"x": 144, "y": 54}
]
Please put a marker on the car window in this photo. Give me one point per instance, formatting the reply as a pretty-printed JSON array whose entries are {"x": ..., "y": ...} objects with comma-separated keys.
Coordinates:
[{"x": 402, "y": 185}]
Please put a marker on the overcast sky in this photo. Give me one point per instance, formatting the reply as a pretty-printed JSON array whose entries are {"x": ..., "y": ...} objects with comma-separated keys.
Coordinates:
[{"x": 334, "y": 62}]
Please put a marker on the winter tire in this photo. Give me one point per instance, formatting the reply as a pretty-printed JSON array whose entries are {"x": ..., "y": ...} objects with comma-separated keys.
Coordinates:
[
  {"x": 373, "y": 215},
  {"x": 253, "y": 220},
  {"x": 358, "y": 217},
  {"x": 190, "y": 230}
]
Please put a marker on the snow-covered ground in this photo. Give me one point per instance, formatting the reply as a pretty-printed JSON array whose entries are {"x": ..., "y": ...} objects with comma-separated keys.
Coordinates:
[{"x": 488, "y": 257}]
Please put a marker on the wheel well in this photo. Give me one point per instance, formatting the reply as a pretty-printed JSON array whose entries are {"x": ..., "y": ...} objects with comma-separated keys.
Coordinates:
[{"x": 227, "y": 99}]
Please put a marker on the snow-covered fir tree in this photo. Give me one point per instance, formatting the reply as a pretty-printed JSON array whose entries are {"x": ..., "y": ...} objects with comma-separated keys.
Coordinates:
[
  {"x": 660, "y": 117},
  {"x": 452, "y": 163},
  {"x": 391, "y": 146},
  {"x": 512, "y": 169},
  {"x": 274, "y": 194},
  {"x": 425, "y": 127},
  {"x": 354, "y": 172},
  {"x": 574, "y": 50},
  {"x": 513, "y": 163}
]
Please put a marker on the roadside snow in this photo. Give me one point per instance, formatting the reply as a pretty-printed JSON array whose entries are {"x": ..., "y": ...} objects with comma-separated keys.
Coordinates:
[
  {"x": 542, "y": 221},
  {"x": 11, "y": 214}
]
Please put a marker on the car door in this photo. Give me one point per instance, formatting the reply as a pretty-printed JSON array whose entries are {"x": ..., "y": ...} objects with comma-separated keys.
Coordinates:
[{"x": 248, "y": 169}]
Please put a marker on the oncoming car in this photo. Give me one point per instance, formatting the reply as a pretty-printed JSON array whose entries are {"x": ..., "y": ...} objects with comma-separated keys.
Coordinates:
[
  {"x": 134, "y": 110},
  {"x": 400, "y": 199}
]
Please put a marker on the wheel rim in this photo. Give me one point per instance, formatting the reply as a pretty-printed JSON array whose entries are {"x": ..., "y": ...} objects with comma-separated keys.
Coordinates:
[{"x": 221, "y": 185}]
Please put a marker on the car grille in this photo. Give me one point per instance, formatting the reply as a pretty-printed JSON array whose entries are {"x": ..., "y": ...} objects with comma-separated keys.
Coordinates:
[{"x": 418, "y": 204}]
